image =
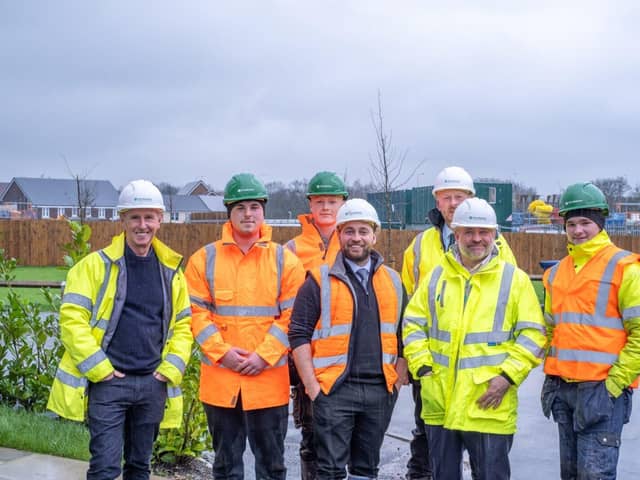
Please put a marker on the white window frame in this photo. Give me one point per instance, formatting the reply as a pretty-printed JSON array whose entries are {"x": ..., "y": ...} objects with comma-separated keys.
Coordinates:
[
  {"x": 101, "y": 212},
  {"x": 74, "y": 212},
  {"x": 45, "y": 212},
  {"x": 493, "y": 195}
]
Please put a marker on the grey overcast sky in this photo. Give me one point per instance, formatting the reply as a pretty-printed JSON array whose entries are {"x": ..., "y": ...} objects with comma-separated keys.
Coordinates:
[{"x": 545, "y": 93}]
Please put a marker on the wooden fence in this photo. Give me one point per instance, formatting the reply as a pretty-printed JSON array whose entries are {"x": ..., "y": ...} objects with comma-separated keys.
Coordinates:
[{"x": 38, "y": 242}]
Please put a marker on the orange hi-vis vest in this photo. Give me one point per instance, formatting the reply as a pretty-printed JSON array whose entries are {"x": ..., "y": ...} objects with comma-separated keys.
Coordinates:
[
  {"x": 330, "y": 340},
  {"x": 243, "y": 300},
  {"x": 588, "y": 330},
  {"x": 309, "y": 246}
]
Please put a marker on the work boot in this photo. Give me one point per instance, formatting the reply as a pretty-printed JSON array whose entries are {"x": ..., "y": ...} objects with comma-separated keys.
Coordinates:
[{"x": 308, "y": 470}]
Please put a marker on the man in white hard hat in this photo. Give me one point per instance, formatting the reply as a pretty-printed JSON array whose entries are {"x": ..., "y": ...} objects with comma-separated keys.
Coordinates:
[
  {"x": 472, "y": 332},
  {"x": 452, "y": 186},
  {"x": 125, "y": 324},
  {"x": 344, "y": 334}
]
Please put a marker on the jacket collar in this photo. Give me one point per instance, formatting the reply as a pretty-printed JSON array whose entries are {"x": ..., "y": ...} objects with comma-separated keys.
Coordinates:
[
  {"x": 583, "y": 252},
  {"x": 166, "y": 256},
  {"x": 339, "y": 267},
  {"x": 227, "y": 234}
]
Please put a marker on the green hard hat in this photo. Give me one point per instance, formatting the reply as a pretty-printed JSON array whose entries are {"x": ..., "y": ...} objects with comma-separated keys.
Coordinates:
[
  {"x": 244, "y": 186},
  {"x": 326, "y": 183},
  {"x": 583, "y": 195}
]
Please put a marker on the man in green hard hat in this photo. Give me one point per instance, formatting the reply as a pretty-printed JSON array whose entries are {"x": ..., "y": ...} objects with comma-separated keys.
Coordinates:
[
  {"x": 592, "y": 310},
  {"x": 317, "y": 244}
]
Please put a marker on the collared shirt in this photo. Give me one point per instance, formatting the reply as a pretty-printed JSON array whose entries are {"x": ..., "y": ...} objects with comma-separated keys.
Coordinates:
[{"x": 446, "y": 236}]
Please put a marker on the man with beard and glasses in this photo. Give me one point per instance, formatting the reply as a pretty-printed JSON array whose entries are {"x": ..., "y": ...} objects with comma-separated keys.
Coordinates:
[
  {"x": 345, "y": 338},
  {"x": 472, "y": 332}
]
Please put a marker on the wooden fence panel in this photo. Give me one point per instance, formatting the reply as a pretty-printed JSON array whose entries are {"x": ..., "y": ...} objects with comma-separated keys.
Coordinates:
[{"x": 39, "y": 242}]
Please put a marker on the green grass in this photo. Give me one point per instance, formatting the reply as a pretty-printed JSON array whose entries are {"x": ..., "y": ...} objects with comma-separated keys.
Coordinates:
[
  {"x": 38, "y": 433},
  {"x": 34, "y": 295},
  {"x": 539, "y": 288}
]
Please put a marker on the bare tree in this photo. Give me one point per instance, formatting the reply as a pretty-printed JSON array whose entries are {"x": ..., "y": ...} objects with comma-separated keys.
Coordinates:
[
  {"x": 387, "y": 170},
  {"x": 86, "y": 193},
  {"x": 614, "y": 189},
  {"x": 169, "y": 191}
]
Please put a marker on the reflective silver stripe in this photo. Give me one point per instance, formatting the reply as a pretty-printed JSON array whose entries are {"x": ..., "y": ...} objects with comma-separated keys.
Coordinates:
[
  {"x": 325, "y": 298},
  {"x": 279, "y": 269},
  {"x": 283, "y": 361},
  {"x": 246, "y": 311},
  {"x": 417, "y": 254},
  {"x": 78, "y": 300},
  {"x": 440, "y": 359},
  {"x": 414, "y": 337},
  {"x": 397, "y": 286},
  {"x": 173, "y": 392},
  {"x": 588, "y": 320},
  {"x": 322, "y": 362},
  {"x": 91, "y": 361},
  {"x": 206, "y": 360},
  {"x": 434, "y": 332},
  {"x": 71, "y": 380},
  {"x": 103, "y": 288},
  {"x": 203, "y": 304},
  {"x": 206, "y": 333},
  {"x": 487, "y": 337},
  {"x": 482, "y": 361},
  {"x": 176, "y": 361},
  {"x": 606, "y": 282},
  {"x": 210, "y": 271},
  {"x": 102, "y": 324},
  {"x": 320, "y": 333},
  {"x": 503, "y": 297},
  {"x": 170, "y": 335},
  {"x": 291, "y": 245},
  {"x": 631, "y": 312},
  {"x": 585, "y": 356},
  {"x": 549, "y": 318},
  {"x": 183, "y": 314},
  {"x": 388, "y": 328},
  {"x": 288, "y": 303},
  {"x": 552, "y": 275},
  {"x": 419, "y": 321},
  {"x": 279, "y": 335},
  {"x": 530, "y": 345},
  {"x": 535, "y": 326},
  {"x": 389, "y": 358}
]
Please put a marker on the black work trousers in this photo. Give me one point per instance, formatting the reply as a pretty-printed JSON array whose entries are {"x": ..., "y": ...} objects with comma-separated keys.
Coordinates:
[
  {"x": 349, "y": 427},
  {"x": 488, "y": 453},
  {"x": 265, "y": 428},
  {"x": 418, "y": 466}
]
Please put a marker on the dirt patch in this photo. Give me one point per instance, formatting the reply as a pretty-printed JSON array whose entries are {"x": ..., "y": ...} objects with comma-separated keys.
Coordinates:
[{"x": 191, "y": 469}]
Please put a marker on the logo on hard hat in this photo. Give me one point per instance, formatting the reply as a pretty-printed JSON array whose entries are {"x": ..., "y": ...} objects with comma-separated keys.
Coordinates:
[
  {"x": 242, "y": 190},
  {"x": 142, "y": 199}
]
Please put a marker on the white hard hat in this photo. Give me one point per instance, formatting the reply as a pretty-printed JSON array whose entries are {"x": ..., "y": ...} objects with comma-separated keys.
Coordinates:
[
  {"x": 454, "y": 178},
  {"x": 474, "y": 212},
  {"x": 357, "y": 209},
  {"x": 140, "y": 194}
]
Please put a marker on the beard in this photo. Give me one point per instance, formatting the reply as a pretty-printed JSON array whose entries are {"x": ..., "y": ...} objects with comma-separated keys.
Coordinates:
[{"x": 354, "y": 257}]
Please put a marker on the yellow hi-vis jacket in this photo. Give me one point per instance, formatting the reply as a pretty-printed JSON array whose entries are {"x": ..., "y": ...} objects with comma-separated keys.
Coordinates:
[
  {"x": 243, "y": 300},
  {"x": 426, "y": 251},
  {"x": 94, "y": 295},
  {"x": 469, "y": 328}
]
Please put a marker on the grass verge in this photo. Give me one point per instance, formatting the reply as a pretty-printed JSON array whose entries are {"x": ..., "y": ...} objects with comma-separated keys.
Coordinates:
[
  {"x": 34, "y": 295},
  {"x": 41, "y": 434}
]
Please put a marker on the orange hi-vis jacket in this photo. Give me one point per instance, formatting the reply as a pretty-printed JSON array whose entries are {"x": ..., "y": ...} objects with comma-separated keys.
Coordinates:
[
  {"x": 243, "y": 300},
  {"x": 330, "y": 341},
  {"x": 588, "y": 326},
  {"x": 309, "y": 246}
]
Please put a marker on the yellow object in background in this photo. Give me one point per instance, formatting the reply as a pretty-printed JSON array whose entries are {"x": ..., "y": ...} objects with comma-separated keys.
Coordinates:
[{"x": 541, "y": 211}]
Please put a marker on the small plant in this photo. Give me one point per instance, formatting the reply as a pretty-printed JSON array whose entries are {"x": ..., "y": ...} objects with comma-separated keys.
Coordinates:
[
  {"x": 29, "y": 345},
  {"x": 79, "y": 246},
  {"x": 192, "y": 438}
]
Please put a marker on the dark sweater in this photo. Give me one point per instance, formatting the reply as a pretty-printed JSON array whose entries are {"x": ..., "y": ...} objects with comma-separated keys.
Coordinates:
[{"x": 136, "y": 346}]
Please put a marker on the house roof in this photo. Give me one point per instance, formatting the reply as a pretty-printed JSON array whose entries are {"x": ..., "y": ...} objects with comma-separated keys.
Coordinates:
[
  {"x": 64, "y": 192},
  {"x": 184, "y": 203},
  {"x": 214, "y": 203},
  {"x": 3, "y": 187},
  {"x": 191, "y": 186}
]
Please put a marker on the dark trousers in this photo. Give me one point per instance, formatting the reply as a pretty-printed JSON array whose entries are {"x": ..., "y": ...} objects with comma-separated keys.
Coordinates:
[
  {"x": 589, "y": 425},
  {"x": 488, "y": 454},
  {"x": 418, "y": 466},
  {"x": 265, "y": 428},
  {"x": 349, "y": 426},
  {"x": 124, "y": 416},
  {"x": 303, "y": 419}
]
